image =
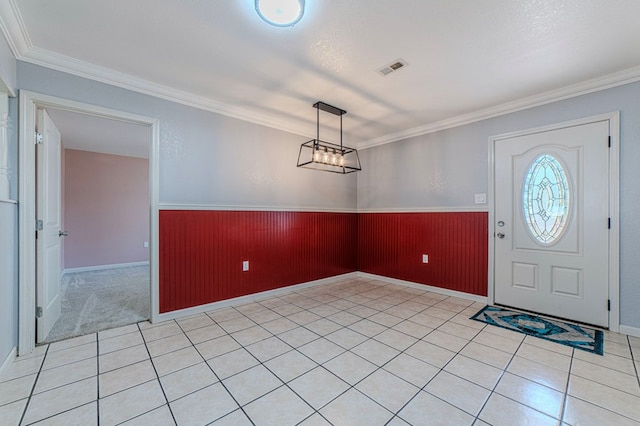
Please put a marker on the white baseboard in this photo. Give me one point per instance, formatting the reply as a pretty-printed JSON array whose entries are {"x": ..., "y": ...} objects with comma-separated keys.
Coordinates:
[
  {"x": 433, "y": 289},
  {"x": 11, "y": 356},
  {"x": 101, "y": 267},
  {"x": 630, "y": 331},
  {"x": 249, "y": 298}
]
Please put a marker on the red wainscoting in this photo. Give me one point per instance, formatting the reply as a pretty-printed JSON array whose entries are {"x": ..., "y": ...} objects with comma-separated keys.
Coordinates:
[
  {"x": 201, "y": 252},
  {"x": 392, "y": 245}
]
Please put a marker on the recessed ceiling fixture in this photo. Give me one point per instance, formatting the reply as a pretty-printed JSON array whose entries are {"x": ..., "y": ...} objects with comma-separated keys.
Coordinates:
[
  {"x": 280, "y": 13},
  {"x": 393, "y": 66},
  {"x": 326, "y": 156}
]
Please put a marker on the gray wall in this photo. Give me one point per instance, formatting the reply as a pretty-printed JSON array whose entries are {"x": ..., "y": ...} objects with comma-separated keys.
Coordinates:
[
  {"x": 445, "y": 169},
  {"x": 210, "y": 158}
]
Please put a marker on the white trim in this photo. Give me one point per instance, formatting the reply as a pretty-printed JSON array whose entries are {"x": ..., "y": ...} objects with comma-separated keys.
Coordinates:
[
  {"x": 13, "y": 28},
  {"x": 69, "y": 65},
  {"x": 250, "y": 297},
  {"x": 630, "y": 331},
  {"x": 225, "y": 207},
  {"x": 458, "y": 209},
  {"x": 425, "y": 287},
  {"x": 103, "y": 267},
  {"x": 26, "y": 196},
  {"x": 8, "y": 201},
  {"x": 619, "y": 78},
  {"x": 11, "y": 357},
  {"x": 614, "y": 205}
]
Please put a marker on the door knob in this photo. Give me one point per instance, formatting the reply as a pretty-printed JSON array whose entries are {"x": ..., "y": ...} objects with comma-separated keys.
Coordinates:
[
  {"x": 63, "y": 233},
  {"x": 500, "y": 235}
]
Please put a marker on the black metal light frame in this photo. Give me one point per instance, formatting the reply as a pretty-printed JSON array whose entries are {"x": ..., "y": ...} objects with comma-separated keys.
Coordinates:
[{"x": 325, "y": 156}]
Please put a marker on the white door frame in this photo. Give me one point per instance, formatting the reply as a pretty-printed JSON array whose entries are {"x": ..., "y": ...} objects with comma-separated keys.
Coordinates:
[
  {"x": 29, "y": 101},
  {"x": 614, "y": 206}
]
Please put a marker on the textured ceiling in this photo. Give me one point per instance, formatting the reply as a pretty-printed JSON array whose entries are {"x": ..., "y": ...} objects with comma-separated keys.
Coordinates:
[{"x": 465, "y": 57}]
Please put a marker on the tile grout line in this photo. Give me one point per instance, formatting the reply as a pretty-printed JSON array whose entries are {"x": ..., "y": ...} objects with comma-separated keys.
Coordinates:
[
  {"x": 240, "y": 407},
  {"x": 33, "y": 387},
  {"x": 98, "y": 378},
  {"x": 633, "y": 361},
  {"x": 144, "y": 341}
]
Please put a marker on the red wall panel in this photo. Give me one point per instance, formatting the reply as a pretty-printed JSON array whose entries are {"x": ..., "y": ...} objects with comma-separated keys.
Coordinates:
[
  {"x": 392, "y": 245},
  {"x": 201, "y": 252}
]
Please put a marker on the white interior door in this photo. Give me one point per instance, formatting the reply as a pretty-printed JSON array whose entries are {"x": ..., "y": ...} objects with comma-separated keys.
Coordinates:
[
  {"x": 48, "y": 210},
  {"x": 551, "y": 222}
]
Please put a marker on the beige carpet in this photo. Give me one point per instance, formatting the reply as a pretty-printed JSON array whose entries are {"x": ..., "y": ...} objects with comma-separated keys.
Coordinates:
[{"x": 99, "y": 300}]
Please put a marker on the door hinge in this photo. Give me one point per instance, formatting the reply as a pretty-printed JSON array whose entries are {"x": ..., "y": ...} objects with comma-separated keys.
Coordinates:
[
  {"x": 38, "y": 138},
  {"x": 609, "y": 305},
  {"x": 39, "y": 225},
  {"x": 38, "y": 311},
  {"x": 609, "y": 223},
  {"x": 609, "y": 141}
]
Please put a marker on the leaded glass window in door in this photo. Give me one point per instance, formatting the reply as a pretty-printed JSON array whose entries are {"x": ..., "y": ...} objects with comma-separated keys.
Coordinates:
[{"x": 545, "y": 199}]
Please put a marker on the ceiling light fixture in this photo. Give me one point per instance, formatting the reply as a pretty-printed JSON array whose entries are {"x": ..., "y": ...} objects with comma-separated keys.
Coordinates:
[
  {"x": 326, "y": 156},
  {"x": 280, "y": 13}
]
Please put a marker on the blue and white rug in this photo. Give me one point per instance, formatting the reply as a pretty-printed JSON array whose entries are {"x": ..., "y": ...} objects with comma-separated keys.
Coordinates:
[{"x": 576, "y": 336}]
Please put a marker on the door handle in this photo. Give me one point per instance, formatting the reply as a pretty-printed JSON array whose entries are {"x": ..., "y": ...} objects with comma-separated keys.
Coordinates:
[
  {"x": 500, "y": 235},
  {"x": 63, "y": 233}
]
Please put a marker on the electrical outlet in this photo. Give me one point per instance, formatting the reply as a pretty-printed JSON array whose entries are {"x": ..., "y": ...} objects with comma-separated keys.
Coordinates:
[
  {"x": 425, "y": 258},
  {"x": 245, "y": 265},
  {"x": 145, "y": 244},
  {"x": 481, "y": 198}
]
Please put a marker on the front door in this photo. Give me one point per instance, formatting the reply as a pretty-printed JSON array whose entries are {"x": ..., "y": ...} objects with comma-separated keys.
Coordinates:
[
  {"x": 551, "y": 222},
  {"x": 48, "y": 211}
]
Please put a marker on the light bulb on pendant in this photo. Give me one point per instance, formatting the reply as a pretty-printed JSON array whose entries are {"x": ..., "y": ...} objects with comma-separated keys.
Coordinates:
[
  {"x": 325, "y": 156},
  {"x": 316, "y": 155},
  {"x": 334, "y": 158},
  {"x": 341, "y": 159}
]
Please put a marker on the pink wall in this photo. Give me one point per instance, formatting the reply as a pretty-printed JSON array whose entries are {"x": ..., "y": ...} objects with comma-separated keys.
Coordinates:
[{"x": 106, "y": 209}]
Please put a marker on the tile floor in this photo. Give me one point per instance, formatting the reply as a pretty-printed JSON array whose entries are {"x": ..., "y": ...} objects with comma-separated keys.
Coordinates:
[{"x": 355, "y": 352}]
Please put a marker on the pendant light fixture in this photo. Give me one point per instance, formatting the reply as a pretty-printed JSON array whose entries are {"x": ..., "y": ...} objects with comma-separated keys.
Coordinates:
[{"x": 326, "y": 156}]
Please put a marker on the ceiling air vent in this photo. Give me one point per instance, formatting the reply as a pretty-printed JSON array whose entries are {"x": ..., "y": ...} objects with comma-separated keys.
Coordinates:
[{"x": 394, "y": 66}]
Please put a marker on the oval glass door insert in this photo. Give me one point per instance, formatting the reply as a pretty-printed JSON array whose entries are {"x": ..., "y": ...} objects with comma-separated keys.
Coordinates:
[{"x": 545, "y": 199}]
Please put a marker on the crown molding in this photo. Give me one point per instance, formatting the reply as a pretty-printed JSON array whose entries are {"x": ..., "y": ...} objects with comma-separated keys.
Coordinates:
[
  {"x": 17, "y": 37},
  {"x": 626, "y": 76},
  {"x": 13, "y": 28},
  {"x": 79, "y": 68}
]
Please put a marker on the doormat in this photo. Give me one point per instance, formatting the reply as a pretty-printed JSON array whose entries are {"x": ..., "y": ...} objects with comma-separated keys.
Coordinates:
[{"x": 576, "y": 336}]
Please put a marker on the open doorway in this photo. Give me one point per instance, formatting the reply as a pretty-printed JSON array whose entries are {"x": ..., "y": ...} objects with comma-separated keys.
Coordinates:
[
  {"x": 105, "y": 280},
  {"x": 30, "y": 102}
]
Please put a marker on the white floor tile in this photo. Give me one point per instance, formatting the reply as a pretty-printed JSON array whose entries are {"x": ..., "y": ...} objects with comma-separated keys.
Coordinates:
[
  {"x": 188, "y": 380},
  {"x": 85, "y": 415},
  {"x": 290, "y": 365},
  {"x": 125, "y": 378},
  {"x": 251, "y": 384},
  {"x": 426, "y": 406},
  {"x": 61, "y": 399},
  {"x": 130, "y": 403},
  {"x": 387, "y": 390},
  {"x": 368, "y": 367},
  {"x": 280, "y": 407},
  {"x": 350, "y": 367},
  {"x": 501, "y": 411},
  {"x": 318, "y": 387},
  {"x": 353, "y": 408},
  {"x": 204, "y": 406},
  {"x": 532, "y": 394}
]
